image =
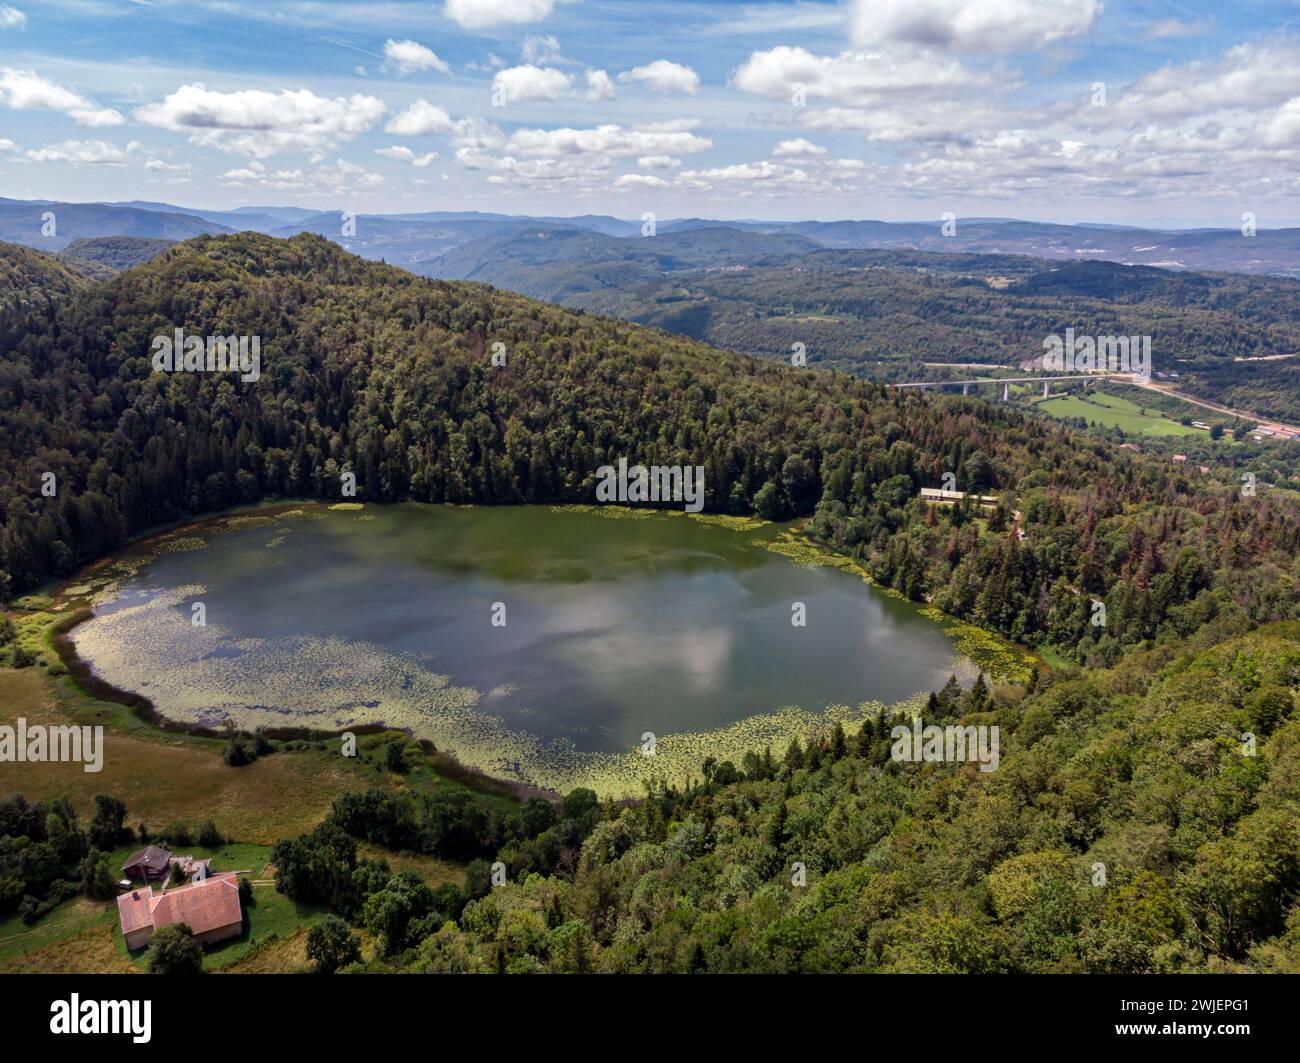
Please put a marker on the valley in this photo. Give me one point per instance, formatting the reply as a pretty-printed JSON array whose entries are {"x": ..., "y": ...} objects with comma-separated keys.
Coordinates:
[
  {"x": 383, "y": 404},
  {"x": 566, "y": 487}
]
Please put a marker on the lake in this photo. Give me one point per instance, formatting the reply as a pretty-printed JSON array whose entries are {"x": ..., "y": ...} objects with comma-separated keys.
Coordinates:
[{"x": 539, "y": 643}]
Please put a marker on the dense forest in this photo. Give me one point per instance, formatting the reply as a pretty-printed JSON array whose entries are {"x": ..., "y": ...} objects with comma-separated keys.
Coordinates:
[
  {"x": 46, "y": 856},
  {"x": 34, "y": 279},
  {"x": 1143, "y": 819},
  {"x": 102, "y": 256},
  {"x": 881, "y": 313},
  {"x": 370, "y": 370}
]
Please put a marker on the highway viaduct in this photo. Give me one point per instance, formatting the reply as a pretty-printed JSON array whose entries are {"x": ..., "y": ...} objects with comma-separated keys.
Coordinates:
[{"x": 1007, "y": 381}]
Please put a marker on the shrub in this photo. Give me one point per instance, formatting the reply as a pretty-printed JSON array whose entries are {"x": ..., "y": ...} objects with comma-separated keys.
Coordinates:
[
  {"x": 173, "y": 950},
  {"x": 209, "y": 837},
  {"x": 178, "y": 834},
  {"x": 331, "y": 945}
]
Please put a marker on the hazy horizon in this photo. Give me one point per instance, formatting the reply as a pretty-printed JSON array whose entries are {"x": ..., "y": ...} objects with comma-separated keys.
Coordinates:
[{"x": 259, "y": 206}]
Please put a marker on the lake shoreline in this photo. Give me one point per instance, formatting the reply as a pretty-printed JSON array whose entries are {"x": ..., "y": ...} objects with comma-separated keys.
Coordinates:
[
  {"x": 104, "y": 573},
  {"x": 83, "y": 676}
]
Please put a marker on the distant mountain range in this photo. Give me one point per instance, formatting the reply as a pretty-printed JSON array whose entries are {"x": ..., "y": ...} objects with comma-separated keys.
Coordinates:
[
  {"x": 560, "y": 265},
  {"x": 883, "y": 313},
  {"x": 25, "y": 222},
  {"x": 429, "y": 242}
]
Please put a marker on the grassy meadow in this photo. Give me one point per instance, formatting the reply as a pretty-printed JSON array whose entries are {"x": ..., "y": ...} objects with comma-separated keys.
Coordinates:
[
  {"x": 1113, "y": 411},
  {"x": 167, "y": 777}
]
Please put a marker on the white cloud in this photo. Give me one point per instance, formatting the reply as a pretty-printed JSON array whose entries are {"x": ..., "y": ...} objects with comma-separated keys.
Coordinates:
[
  {"x": 483, "y": 14},
  {"x": 404, "y": 154},
  {"x": 541, "y": 50},
  {"x": 474, "y": 134},
  {"x": 409, "y": 56},
  {"x": 609, "y": 140},
  {"x": 1283, "y": 130},
  {"x": 90, "y": 152},
  {"x": 970, "y": 25},
  {"x": 814, "y": 176},
  {"x": 1017, "y": 162},
  {"x": 599, "y": 85},
  {"x": 530, "y": 82},
  {"x": 167, "y": 167},
  {"x": 796, "y": 147},
  {"x": 578, "y": 175},
  {"x": 673, "y": 125},
  {"x": 12, "y": 18},
  {"x": 576, "y": 161},
  {"x": 857, "y": 77},
  {"x": 342, "y": 178},
  {"x": 665, "y": 76},
  {"x": 251, "y": 172},
  {"x": 1247, "y": 77},
  {"x": 25, "y": 90},
  {"x": 913, "y": 121},
  {"x": 257, "y": 123},
  {"x": 741, "y": 171},
  {"x": 420, "y": 119},
  {"x": 637, "y": 180}
]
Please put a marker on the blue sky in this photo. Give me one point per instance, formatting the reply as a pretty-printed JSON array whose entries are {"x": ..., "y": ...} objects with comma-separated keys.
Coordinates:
[{"x": 892, "y": 109}]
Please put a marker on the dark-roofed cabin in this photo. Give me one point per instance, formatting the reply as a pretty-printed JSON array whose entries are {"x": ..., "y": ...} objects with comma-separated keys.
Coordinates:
[{"x": 150, "y": 864}]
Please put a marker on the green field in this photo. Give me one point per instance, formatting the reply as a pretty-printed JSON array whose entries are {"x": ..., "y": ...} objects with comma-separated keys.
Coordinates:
[
  {"x": 82, "y": 935},
  {"x": 168, "y": 777},
  {"x": 1111, "y": 411}
]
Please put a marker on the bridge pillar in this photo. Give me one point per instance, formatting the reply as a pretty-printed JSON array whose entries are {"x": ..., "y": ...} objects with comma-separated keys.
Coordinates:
[
  {"x": 1006, "y": 392},
  {"x": 965, "y": 389},
  {"x": 1047, "y": 388}
]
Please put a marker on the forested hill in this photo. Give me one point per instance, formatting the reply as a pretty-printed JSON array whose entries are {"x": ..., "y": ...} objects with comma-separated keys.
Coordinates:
[
  {"x": 880, "y": 313},
  {"x": 32, "y": 278},
  {"x": 370, "y": 369},
  {"x": 35, "y": 279},
  {"x": 512, "y": 260},
  {"x": 105, "y": 255}
]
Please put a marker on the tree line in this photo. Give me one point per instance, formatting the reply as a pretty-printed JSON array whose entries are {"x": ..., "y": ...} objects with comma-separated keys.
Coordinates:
[{"x": 374, "y": 372}]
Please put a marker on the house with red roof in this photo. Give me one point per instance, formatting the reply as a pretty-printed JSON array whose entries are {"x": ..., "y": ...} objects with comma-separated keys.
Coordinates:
[{"x": 210, "y": 908}]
